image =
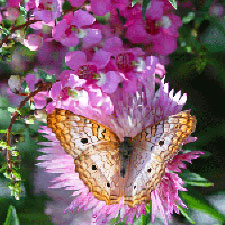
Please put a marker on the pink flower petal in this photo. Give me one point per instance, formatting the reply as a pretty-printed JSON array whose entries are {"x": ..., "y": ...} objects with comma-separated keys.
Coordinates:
[
  {"x": 82, "y": 18},
  {"x": 75, "y": 59}
]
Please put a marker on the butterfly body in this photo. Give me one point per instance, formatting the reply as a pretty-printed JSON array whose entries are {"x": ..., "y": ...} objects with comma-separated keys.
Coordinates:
[
  {"x": 112, "y": 169},
  {"x": 125, "y": 150}
]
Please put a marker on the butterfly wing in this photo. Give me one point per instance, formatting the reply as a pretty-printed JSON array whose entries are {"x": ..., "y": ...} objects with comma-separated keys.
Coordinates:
[
  {"x": 95, "y": 150},
  {"x": 99, "y": 168},
  {"x": 154, "y": 147},
  {"x": 77, "y": 133}
]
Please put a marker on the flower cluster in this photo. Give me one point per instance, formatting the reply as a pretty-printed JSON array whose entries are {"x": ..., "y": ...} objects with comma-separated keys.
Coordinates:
[{"x": 108, "y": 64}]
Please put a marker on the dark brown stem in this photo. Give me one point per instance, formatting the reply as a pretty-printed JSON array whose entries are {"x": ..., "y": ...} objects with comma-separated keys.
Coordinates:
[
  {"x": 14, "y": 28},
  {"x": 41, "y": 87}
]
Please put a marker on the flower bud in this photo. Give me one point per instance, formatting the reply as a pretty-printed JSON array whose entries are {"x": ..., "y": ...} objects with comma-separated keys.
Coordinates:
[{"x": 14, "y": 83}]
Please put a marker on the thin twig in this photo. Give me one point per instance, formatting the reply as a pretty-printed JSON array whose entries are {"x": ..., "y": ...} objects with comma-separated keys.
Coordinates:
[
  {"x": 14, "y": 28},
  {"x": 42, "y": 87}
]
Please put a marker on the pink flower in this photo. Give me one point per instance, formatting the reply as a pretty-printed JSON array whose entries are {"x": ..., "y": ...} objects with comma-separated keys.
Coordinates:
[
  {"x": 31, "y": 81},
  {"x": 63, "y": 33},
  {"x": 12, "y": 13},
  {"x": 177, "y": 163},
  {"x": 33, "y": 42},
  {"x": 216, "y": 9},
  {"x": 87, "y": 70},
  {"x": 67, "y": 30},
  {"x": 47, "y": 10},
  {"x": 76, "y": 3},
  {"x": 51, "y": 63},
  {"x": 155, "y": 106},
  {"x": 160, "y": 29},
  {"x": 40, "y": 100},
  {"x": 13, "y": 3},
  {"x": 165, "y": 197},
  {"x": 100, "y": 7}
]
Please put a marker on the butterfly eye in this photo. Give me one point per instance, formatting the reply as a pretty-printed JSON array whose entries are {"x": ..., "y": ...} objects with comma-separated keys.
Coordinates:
[
  {"x": 94, "y": 167},
  {"x": 161, "y": 143},
  {"x": 84, "y": 140},
  {"x": 108, "y": 184},
  {"x": 149, "y": 170}
]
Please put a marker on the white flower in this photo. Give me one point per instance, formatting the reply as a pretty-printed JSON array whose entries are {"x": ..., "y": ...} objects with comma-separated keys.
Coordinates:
[{"x": 14, "y": 83}]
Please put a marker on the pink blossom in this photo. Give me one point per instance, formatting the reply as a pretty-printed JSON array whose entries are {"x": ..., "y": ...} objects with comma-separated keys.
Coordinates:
[
  {"x": 51, "y": 63},
  {"x": 92, "y": 38},
  {"x": 47, "y": 10},
  {"x": 165, "y": 197},
  {"x": 82, "y": 18},
  {"x": 12, "y": 13},
  {"x": 160, "y": 29},
  {"x": 109, "y": 82},
  {"x": 100, "y": 7},
  {"x": 87, "y": 70},
  {"x": 33, "y": 41},
  {"x": 216, "y": 9},
  {"x": 30, "y": 5},
  {"x": 75, "y": 59},
  {"x": 31, "y": 81},
  {"x": 40, "y": 100},
  {"x": 63, "y": 33},
  {"x": 177, "y": 163},
  {"x": 119, "y": 4},
  {"x": 76, "y": 3},
  {"x": 13, "y": 3},
  {"x": 67, "y": 31}
]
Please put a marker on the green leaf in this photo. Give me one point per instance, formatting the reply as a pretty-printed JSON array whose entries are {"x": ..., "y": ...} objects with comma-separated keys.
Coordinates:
[
  {"x": 144, "y": 219},
  {"x": 144, "y": 7},
  {"x": 12, "y": 218},
  {"x": 185, "y": 214},
  {"x": 134, "y": 2},
  {"x": 173, "y": 3},
  {"x": 3, "y": 131},
  {"x": 66, "y": 5},
  {"x": 190, "y": 16},
  {"x": 195, "y": 179},
  {"x": 46, "y": 78},
  {"x": 202, "y": 205}
]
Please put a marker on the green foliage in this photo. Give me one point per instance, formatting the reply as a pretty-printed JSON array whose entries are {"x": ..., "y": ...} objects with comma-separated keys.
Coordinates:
[
  {"x": 184, "y": 212},
  {"x": 66, "y": 6},
  {"x": 195, "y": 201},
  {"x": 195, "y": 179},
  {"x": 45, "y": 77},
  {"x": 145, "y": 5},
  {"x": 12, "y": 218},
  {"x": 173, "y": 3},
  {"x": 134, "y": 2}
]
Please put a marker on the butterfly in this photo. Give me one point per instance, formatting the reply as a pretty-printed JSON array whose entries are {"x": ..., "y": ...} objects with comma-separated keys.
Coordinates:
[{"x": 112, "y": 169}]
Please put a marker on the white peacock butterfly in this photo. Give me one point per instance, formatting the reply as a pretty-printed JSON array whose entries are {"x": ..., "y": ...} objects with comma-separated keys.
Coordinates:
[{"x": 112, "y": 169}]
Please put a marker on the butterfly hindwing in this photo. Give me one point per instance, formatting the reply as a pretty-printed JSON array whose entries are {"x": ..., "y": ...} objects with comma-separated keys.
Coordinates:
[
  {"x": 154, "y": 147},
  {"x": 99, "y": 168}
]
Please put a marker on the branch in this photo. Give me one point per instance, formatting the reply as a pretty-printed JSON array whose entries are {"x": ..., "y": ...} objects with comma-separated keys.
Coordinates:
[
  {"x": 14, "y": 28},
  {"x": 42, "y": 87}
]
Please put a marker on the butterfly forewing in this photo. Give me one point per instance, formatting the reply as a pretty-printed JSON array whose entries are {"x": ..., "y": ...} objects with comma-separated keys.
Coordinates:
[
  {"x": 153, "y": 149},
  {"x": 95, "y": 150},
  {"x": 77, "y": 133}
]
